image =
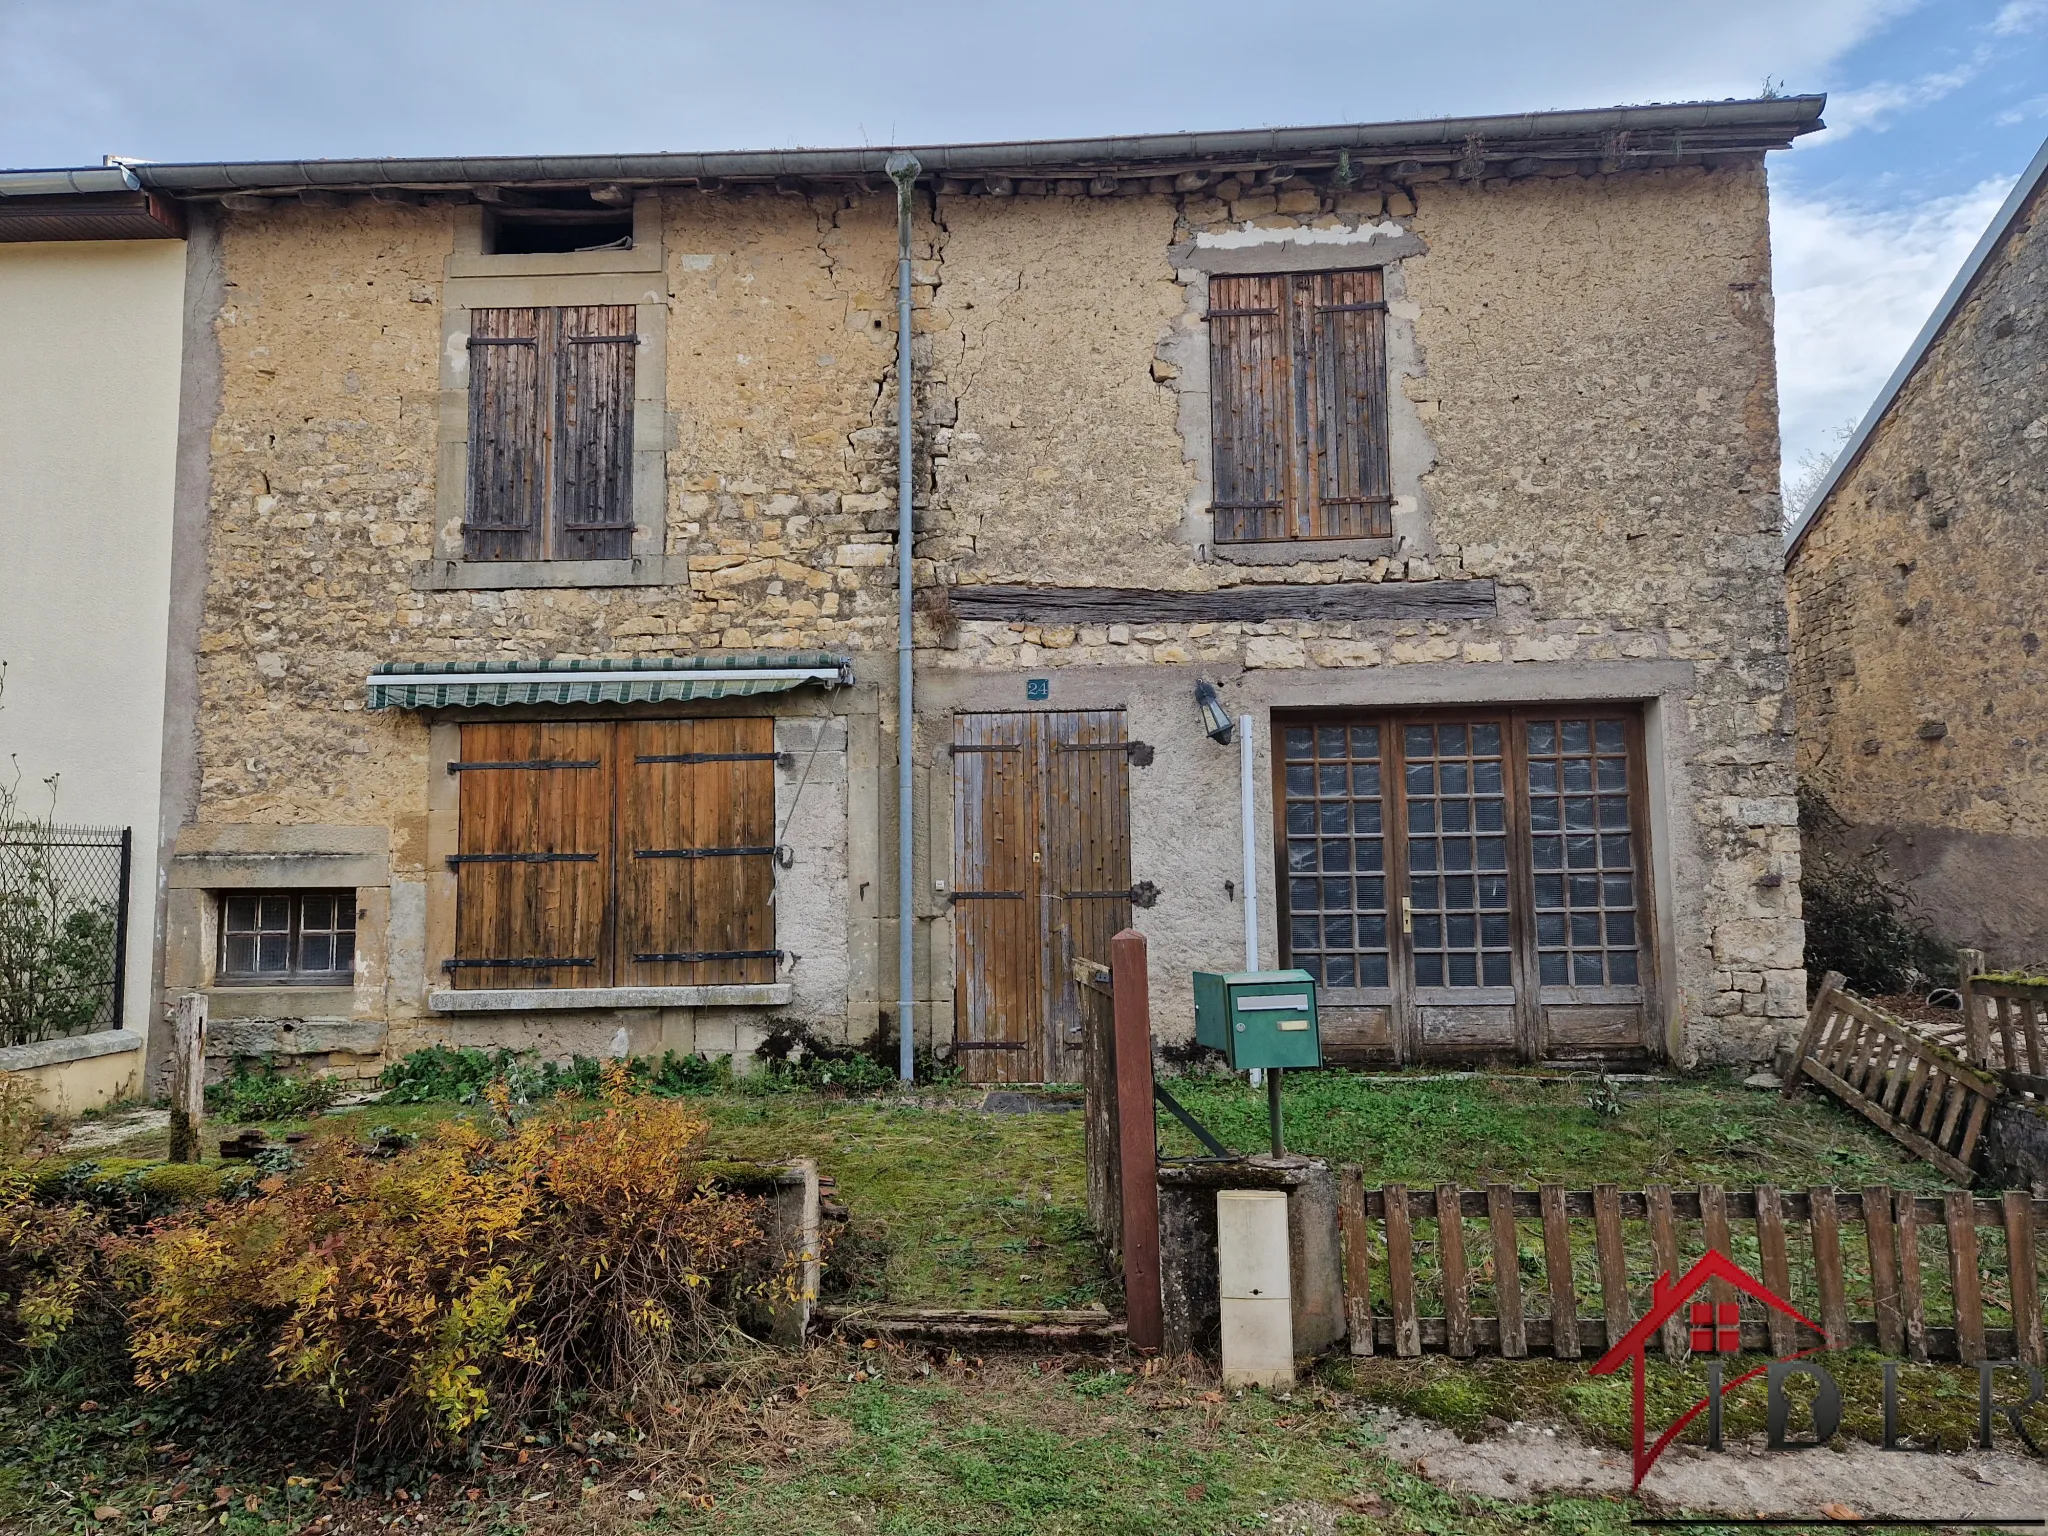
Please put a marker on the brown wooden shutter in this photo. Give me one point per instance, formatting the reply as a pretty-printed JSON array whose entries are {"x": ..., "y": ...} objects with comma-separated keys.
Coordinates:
[
  {"x": 1298, "y": 406},
  {"x": 511, "y": 396},
  {"x": 1251, "y": 416},
  {"x": 533, "y": 867},
  {"x": 696, "y": 852},
  {"x": 1345, "y": 338},
  {"x": 1088, "y": 864},
  {"x": 594, "y": 481}
]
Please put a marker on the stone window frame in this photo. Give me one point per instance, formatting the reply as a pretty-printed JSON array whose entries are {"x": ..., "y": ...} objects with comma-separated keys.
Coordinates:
[
  {"x": 216, "y": 860},
  {"x": 1410, "y": 451},
  {"x": 474, "y": 279}
]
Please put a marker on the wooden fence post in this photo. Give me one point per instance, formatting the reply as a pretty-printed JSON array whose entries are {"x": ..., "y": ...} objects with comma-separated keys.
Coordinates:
[
  {"x": 188, "y": 1077},
  {"x": 1137, "y": 1148},
  {"x": 1356, "y": 1225},
  {"x": 1976, "y": 1028}
]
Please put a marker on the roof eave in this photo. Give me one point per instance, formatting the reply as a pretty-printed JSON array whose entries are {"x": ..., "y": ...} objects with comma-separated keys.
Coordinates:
[{"x": 1699, "y": 127}]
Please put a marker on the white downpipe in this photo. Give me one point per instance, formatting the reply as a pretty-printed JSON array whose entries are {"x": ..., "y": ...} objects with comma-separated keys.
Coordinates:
[{"x": 1246, "y": 763}]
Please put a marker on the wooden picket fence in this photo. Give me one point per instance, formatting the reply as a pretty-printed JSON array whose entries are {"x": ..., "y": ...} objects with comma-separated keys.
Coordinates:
[
  {"x": 1927, "y": 1282},
  {"x": 1919, "y": 1092},
  {"x": 2003, "y": 1025}
]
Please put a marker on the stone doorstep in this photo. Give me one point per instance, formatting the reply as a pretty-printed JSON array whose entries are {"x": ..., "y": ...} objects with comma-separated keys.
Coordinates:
[{"x": 557, "y": 999}]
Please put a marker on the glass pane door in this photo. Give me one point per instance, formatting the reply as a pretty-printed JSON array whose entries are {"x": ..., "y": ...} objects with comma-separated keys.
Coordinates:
[
  {"x": 1455, "y": 779},
  {"x": 1336, "y": 854}
]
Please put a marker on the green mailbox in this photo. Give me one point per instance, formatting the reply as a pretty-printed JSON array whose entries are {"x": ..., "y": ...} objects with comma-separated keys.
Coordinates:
[{"x": 1259, "y": 1018}]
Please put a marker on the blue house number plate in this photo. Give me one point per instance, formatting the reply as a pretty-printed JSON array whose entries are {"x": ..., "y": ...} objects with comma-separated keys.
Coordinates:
[{"x": 1037, "y": 687}]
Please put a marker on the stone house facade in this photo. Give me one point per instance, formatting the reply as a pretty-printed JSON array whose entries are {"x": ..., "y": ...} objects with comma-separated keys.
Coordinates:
[
  {"x": 542, "y": 690},
  {"x": 1915, "y": 590}
]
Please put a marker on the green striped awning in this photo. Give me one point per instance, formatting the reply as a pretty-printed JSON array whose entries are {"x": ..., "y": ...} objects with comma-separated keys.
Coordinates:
[{"x": 635, "y": 680}]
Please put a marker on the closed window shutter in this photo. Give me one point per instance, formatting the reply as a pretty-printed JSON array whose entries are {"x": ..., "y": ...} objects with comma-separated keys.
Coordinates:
[
  {"x": 1345, "y": 337},
  {"x": 594, "y": 480},
  {"x": 1251, "y": 417},
  {"x": 696, "y": 852},
  {"x": 1298, "y": 406},
  {"x": 533, "y": 867},
  {"x": 510, "y": 394}
]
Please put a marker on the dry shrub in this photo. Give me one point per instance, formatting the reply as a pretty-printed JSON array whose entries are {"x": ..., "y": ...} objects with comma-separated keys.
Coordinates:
[
  {"x": 486, "y": 1273},
  {"x": 53, "y": 1267}
]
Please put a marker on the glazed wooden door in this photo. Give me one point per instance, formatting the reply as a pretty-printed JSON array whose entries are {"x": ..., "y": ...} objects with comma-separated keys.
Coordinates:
[
  {"x": 1470, "y": 886},
  {"x": 1041, "y": 879}
]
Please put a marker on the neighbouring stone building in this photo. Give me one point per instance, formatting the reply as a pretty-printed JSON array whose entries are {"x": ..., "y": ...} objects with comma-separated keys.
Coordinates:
[
  {"x": 1916, "y": 591},
  {"x": 543, "y": 688}
]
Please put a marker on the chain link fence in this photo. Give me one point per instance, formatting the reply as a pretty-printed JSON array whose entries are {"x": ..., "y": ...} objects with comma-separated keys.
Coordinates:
[{"x": 63, "y": 929}]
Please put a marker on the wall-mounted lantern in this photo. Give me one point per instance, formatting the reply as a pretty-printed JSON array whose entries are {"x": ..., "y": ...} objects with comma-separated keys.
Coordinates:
[{"x": 1215, "y": 719}]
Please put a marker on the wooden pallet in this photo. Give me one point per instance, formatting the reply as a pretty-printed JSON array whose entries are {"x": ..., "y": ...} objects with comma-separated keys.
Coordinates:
[{"x": 1922, "y": 1094}]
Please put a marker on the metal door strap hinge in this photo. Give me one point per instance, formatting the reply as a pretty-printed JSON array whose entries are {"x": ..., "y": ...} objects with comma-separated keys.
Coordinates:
[
  {"x": 532, "y": 763},
  {"x": 515, "y": 964},
  {"x": 700, "y": 853},
  {"x": 457, "y": 859},
  {"x": 781, "y": 759},
  {"x": 694, "y": 956},
  {"x": 986, "y": 896}
]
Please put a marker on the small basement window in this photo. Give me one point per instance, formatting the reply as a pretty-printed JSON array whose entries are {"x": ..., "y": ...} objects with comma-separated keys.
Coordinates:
[
  {"x": 288, "y": 938},
  {"x": 549, "y": 223}
]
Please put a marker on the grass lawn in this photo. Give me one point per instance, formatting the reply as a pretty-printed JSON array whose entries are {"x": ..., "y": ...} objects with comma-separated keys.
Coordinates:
[
  {"x": 1525, "y": 1129},
  {"x": 845, "y": 1439},
  {"x": 955, "y": 1206}
]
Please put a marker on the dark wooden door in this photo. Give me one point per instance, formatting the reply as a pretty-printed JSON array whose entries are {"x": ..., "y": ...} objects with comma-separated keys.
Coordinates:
[
  {"x": 1041, "y": 880},
  {"x": 1470, "y": 886}
]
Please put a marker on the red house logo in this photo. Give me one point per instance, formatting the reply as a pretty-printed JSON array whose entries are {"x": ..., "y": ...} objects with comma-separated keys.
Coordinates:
[{"x": 1716, "y": 1330}]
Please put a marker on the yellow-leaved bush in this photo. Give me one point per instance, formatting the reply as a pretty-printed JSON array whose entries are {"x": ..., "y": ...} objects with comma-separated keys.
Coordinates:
[{"x": 487, "y": 1272}]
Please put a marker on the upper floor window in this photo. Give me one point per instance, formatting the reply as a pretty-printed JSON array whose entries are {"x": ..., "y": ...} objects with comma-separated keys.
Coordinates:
[
  {"x": 1298, "y": 396},
  {"x": 551, "y": 433},
  {"x": 288, "y": 937}
]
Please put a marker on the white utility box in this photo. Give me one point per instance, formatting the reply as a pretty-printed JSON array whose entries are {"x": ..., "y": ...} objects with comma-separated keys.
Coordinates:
[{"x": 1253, "y": 1287}]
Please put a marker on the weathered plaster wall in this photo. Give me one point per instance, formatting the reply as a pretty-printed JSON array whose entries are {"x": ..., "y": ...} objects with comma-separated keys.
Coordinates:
[
  {"x": 1588, "y": 369},
  {"x": 1918, "y": 613}
]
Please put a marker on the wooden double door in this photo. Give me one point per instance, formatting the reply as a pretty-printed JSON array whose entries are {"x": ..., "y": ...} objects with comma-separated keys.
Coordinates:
[
  {"x": 1470, "y": 886},
  {"x": 1041, "y": 880}
]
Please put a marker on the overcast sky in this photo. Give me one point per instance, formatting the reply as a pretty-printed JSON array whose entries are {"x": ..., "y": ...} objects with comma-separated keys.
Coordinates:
[{"x": 1936, "y": 104}]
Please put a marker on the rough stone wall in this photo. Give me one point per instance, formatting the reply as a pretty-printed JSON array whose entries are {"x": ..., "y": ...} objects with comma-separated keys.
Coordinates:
[
  {"x": 1593, "y": 364},
  {"x": 1917, "y": 620}
]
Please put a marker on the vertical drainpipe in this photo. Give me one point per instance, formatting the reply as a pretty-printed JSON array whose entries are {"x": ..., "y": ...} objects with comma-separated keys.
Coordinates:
[{"x": 903, "y": 168}]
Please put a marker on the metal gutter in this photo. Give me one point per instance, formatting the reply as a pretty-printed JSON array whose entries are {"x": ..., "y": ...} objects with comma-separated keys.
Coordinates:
[
  {"x": 93, "y": 180},
  {"x": 1966, "y": 277},
  {"x": 1696, "y": 126}
]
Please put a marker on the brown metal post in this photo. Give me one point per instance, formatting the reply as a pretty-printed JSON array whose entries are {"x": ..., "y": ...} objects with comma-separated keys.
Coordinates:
[{"x": 1137, "y": 1141}]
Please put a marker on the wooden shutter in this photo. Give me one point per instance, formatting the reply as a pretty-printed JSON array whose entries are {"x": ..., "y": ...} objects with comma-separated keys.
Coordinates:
[
  {"x": 1251, "y": 418},
  {"x": 1298, "y": 406},
  {"x": 533, "y": 870},
  {"x": 510, "y": 409},
  {"x": 1345, "y": 338},
  {"x": 594, "y": 480},
  {"x": 696, "y": 852}
]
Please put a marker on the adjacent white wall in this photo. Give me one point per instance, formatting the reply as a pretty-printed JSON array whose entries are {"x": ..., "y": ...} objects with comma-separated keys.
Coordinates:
[{"x": 89, "y": 360}]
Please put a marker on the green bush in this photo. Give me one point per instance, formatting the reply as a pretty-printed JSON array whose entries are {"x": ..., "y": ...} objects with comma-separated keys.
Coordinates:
[
  {"x": 441, "y": 1075},
  {"x": 258, "y": 1091}
]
